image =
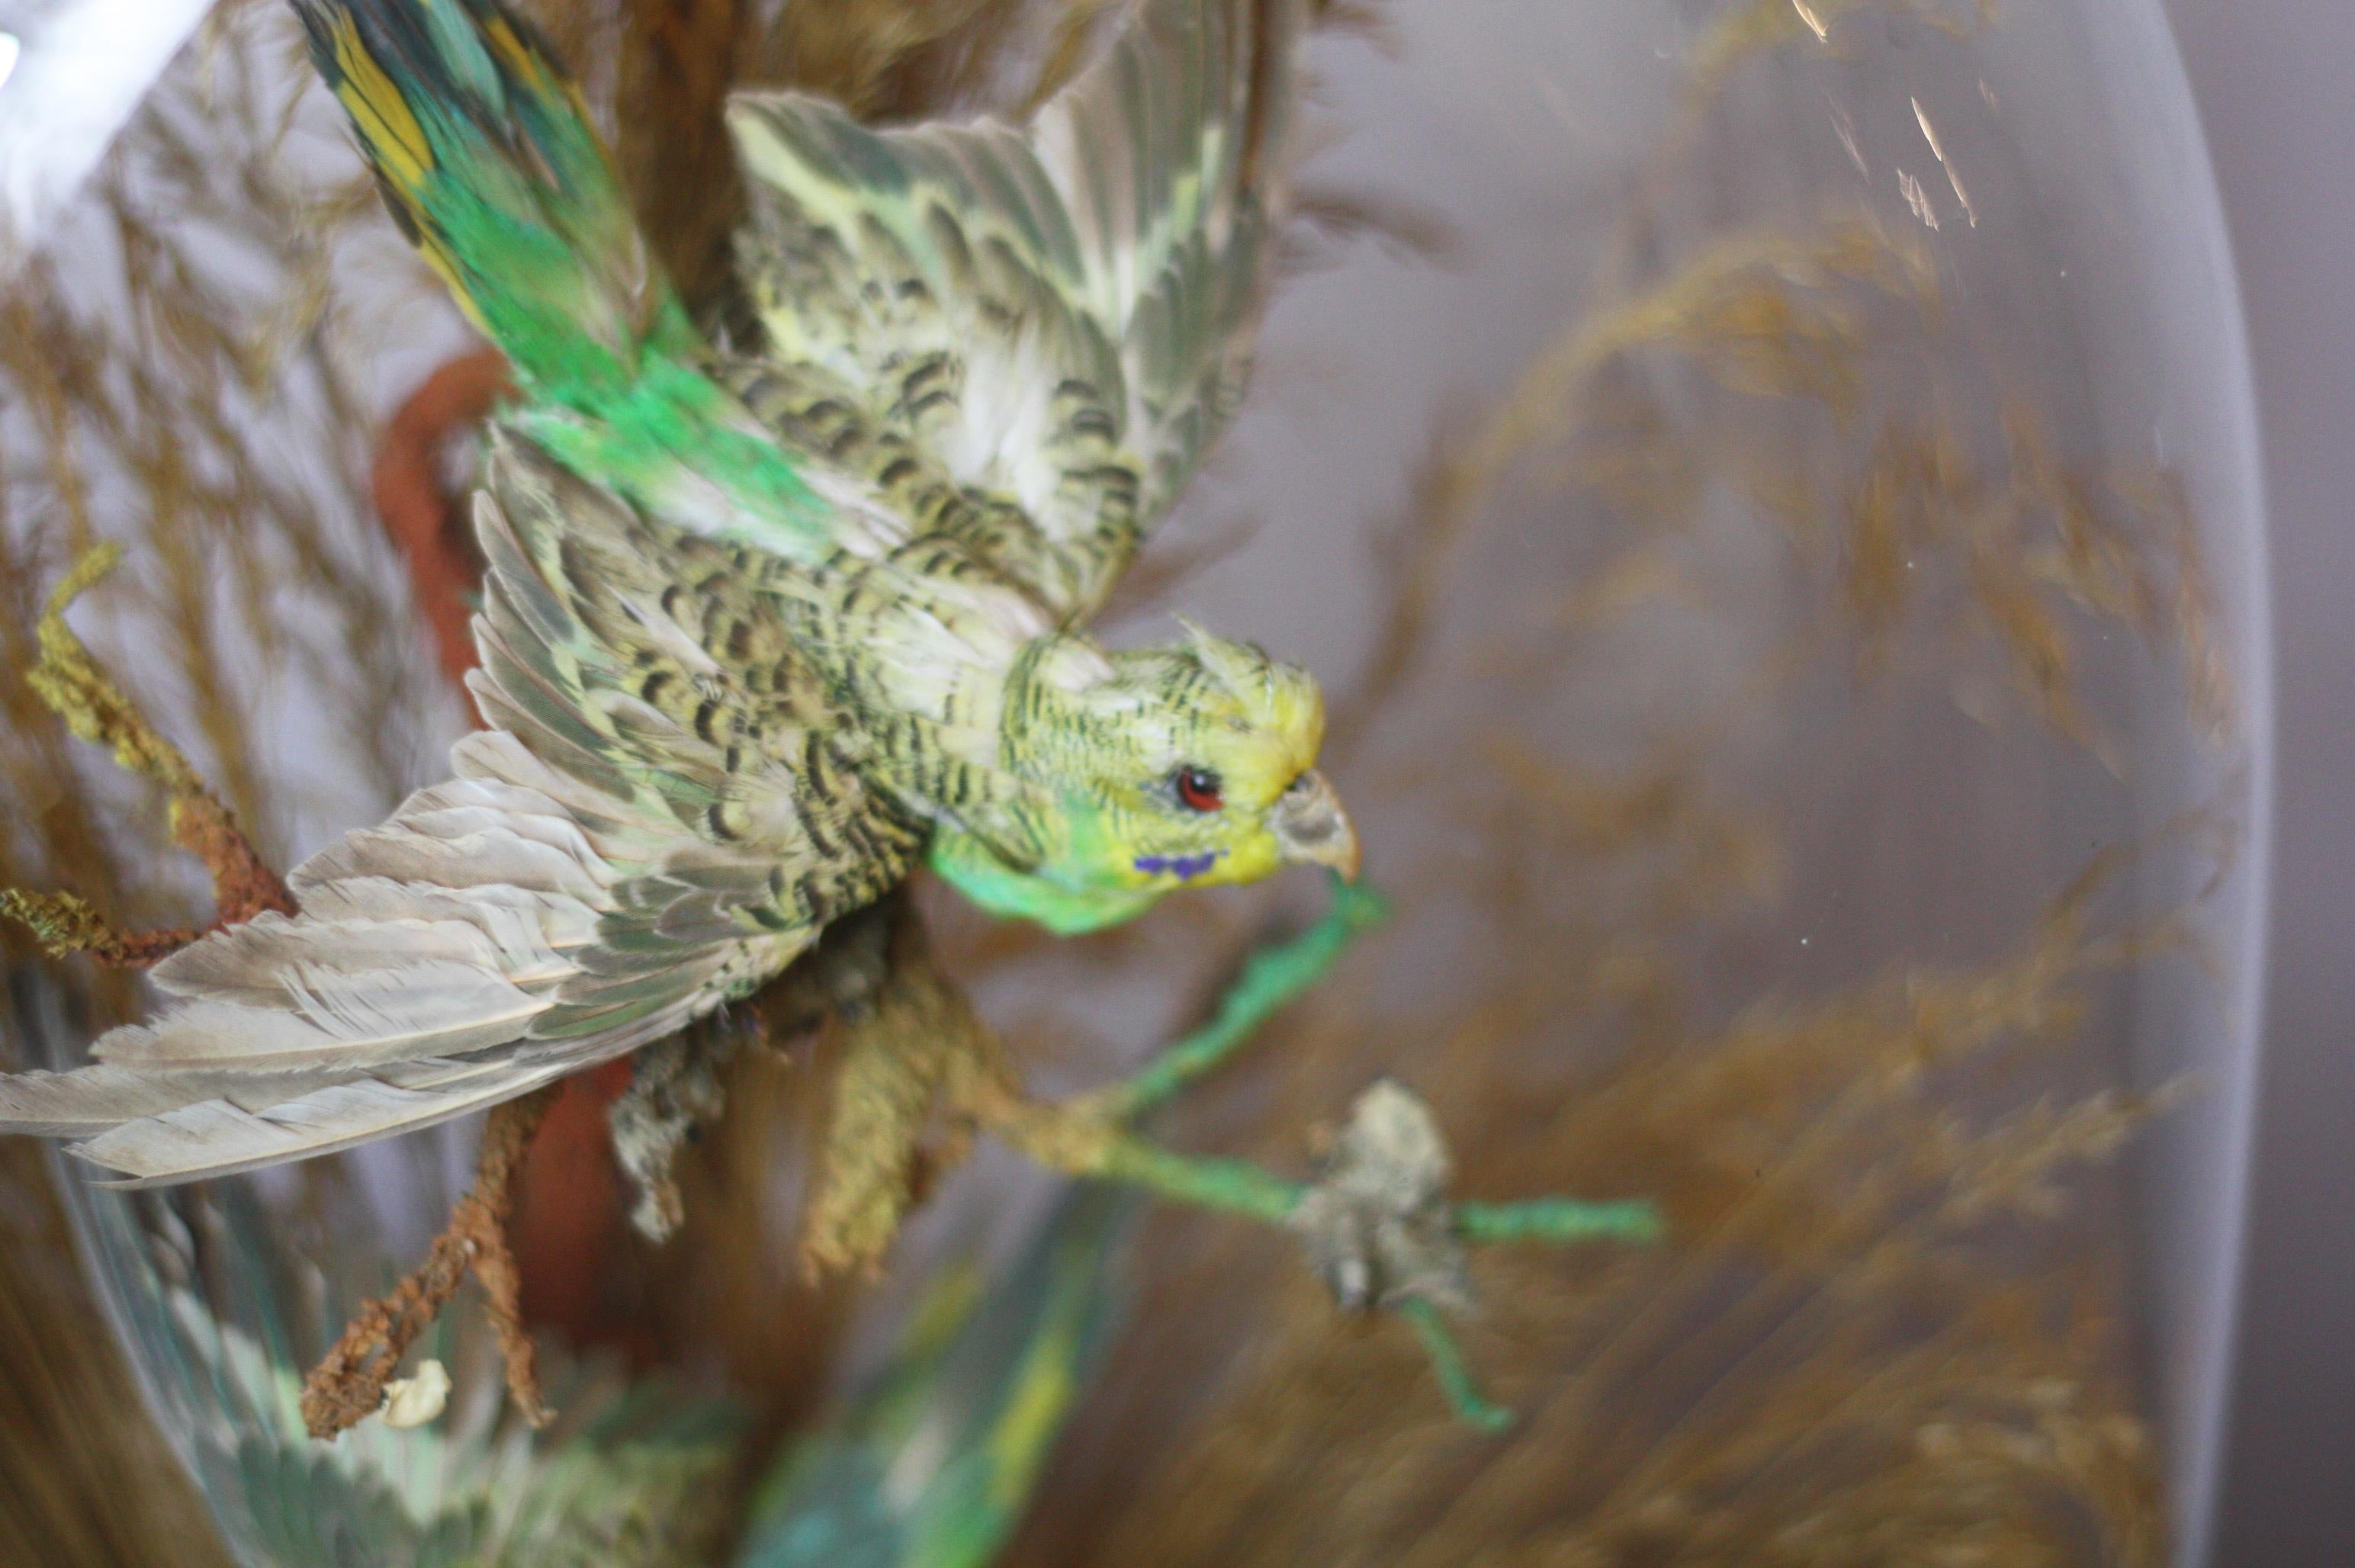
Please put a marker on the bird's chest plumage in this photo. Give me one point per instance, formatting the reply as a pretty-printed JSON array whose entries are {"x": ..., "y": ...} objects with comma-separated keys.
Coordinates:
[
  {"x": 753, "y": 683},
  {"x": 915, "y": 651},
  {"x": 909, "y": 632}
]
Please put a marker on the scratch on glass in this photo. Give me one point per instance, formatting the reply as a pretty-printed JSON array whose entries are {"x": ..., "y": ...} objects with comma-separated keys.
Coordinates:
[
  {"x": 1930, "y": 134},
  {"x": 1844, "y": 127},
  {"x": 1917, "y": 199}
]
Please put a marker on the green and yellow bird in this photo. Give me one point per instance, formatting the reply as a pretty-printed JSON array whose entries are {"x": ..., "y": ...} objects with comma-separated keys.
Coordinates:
[{"x": 763, "y": 630}]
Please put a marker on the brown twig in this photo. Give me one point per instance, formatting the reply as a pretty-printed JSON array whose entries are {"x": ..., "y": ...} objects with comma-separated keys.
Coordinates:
[
  {"x": 244, "y": 884},
  {"x": 348, "y": 1384},
  {"x": 64, "y": 924},
  {"x": 75, "y": 687}
]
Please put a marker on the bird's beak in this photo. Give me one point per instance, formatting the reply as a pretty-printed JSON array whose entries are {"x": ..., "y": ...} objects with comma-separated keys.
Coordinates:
[{"x": 1311, "y": 828}]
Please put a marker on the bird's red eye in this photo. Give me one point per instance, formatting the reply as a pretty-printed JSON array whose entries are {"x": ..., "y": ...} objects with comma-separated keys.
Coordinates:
[{"x": 1199, "y": 788}]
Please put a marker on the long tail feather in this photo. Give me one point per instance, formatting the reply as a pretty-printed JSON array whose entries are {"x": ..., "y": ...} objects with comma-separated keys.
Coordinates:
[
  {"x": 491, "y": 167},
  {"x": 489, "y": 164}
]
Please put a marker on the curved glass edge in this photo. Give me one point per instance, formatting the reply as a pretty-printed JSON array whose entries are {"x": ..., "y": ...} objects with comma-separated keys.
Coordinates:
[{"x": 2197, "y": 1192}]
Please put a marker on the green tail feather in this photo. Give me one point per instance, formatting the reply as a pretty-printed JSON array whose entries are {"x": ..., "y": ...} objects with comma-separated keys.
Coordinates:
[
  {"x": 491, "y": 168},
  {"x": 486, "y": 158}
]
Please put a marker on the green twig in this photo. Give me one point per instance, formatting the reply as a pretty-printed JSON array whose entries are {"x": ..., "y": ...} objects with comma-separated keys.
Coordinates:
[
  {"x": 1455, "y": 1381},
  {"x": 1091, "y": 1137},
  {"x": 1269, "y": 979},
  {"x": 1558, "y": 1221},
  {"x": 1234, "y": 1186}
]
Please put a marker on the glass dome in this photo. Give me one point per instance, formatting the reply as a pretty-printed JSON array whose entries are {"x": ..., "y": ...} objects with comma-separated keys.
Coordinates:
[
  {"x": 1809, "y": 324},
  {"x": 1769, "y": 485}
]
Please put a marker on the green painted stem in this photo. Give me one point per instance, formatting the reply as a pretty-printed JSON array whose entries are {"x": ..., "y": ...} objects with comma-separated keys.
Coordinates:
[
  {"x": 1455, "y": 1379},
  {"x": 1269, "y": 979},
  {"x": 1557, "y": 1219},
  {"x": 1234, "y": 1186}
]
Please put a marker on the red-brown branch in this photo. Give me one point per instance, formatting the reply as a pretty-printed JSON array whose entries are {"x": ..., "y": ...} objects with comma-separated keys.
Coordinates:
[
  {"x": 347, "y": 1385},
  {"x": 419, "y": 513}
]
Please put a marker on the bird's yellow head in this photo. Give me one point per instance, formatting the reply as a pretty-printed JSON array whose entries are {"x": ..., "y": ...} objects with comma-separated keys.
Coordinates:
[{"x": 1189, "y": 764}]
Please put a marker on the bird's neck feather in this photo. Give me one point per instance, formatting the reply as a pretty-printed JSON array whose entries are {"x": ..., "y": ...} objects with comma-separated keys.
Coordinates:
[{"x": 961, "y": 681}]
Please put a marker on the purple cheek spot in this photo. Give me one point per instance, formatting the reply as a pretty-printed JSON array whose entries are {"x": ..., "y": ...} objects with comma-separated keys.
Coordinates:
[{"x": 1185, "y": 867}]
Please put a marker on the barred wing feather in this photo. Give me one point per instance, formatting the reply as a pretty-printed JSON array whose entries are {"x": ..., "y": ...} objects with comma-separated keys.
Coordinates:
[
  {"x": 1063, "y": 312},
  {"x": 649, "y": 830}
]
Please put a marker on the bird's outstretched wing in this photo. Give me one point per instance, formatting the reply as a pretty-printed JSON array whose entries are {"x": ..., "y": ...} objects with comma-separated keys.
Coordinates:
[
  {"x": 665, "y": 815},
  {"x": 1060, "y": 313}
]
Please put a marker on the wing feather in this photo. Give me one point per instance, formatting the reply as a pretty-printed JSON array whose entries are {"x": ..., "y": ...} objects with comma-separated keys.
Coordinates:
[
  {"x": 221, "y": 1138},
  {"x": 609, "y": 863},
  {"x": 1061, "y": 312}
]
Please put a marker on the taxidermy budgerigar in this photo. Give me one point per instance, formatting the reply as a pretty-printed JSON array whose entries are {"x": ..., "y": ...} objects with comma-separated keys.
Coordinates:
[{"x": 763, "y": 632}]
